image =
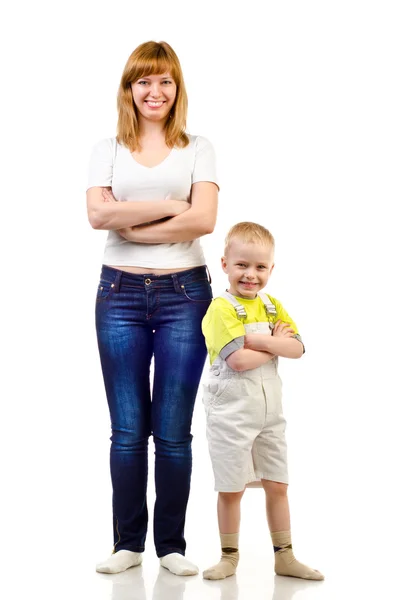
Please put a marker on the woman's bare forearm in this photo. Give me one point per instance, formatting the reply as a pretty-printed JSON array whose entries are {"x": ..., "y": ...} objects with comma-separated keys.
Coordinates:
[
  {"x": 183, "y": 228},
  {"x": 116, "y": 215},
  {"x": 195, "y": 222}
]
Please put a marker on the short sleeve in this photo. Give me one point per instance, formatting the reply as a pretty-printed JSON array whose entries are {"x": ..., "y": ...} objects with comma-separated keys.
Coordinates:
[
  {"x": 205, "y": 162},
  {"x": 100, "y": 166},
  {"x": 221, "y": 326},
  {"x": 284, "y": 316}
]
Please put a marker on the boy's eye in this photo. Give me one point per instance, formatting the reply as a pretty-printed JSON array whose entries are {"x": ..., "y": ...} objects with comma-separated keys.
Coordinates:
[
  {"x": 262, "y": 267},
  {"x": 241, "y": 265}
]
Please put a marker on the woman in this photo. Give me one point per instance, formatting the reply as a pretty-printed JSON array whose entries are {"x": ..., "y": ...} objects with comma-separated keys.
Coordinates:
[{"x": 155, "y": 189}]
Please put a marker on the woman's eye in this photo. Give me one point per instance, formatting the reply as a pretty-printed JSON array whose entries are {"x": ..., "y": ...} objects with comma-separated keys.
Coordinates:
[
  {"x": 142, "y": 82},
  {"x": 167, "y": 81}
]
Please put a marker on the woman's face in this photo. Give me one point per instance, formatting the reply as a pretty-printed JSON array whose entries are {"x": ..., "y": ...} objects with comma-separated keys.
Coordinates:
[{"x": 154, "y": 96}]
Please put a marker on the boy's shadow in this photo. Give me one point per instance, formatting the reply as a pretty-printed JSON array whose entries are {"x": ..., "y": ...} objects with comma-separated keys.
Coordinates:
[
  {"x": 228, "y": 587},
  {"x": 285, "y": 588}
]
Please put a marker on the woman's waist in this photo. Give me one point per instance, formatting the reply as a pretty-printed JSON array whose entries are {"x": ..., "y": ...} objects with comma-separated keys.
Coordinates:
[
  {"x": 119, "y": 277},
  {"x": 144, "y": 270},
  {"x": 156, "y": 258}
]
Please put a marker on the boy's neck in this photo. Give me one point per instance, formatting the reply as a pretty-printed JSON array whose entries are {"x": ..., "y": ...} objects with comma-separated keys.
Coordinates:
[{"x": 242, "y": 297}]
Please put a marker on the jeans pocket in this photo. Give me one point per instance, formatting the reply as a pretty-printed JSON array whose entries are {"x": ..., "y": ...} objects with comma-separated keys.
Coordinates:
[
  {"x": 105, "y": 288},
  {"x": 197, "y": 291}
]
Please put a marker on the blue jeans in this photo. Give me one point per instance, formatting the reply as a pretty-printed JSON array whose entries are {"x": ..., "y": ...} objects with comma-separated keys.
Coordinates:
[{"x": 139, "y": 317}]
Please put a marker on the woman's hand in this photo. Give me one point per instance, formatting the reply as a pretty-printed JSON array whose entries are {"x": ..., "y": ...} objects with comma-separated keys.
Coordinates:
[
  {"x": 282, "y": 329},
  {"x": 127, "y": 233},
  {"x": 107, "y": 195},
  {"x": 178, "y": 206}
]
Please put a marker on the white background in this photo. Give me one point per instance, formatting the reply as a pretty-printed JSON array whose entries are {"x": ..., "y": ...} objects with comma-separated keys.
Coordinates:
[{"x": 299, "y": 99}]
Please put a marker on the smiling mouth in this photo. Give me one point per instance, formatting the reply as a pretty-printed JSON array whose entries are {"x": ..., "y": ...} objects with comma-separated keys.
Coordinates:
[
  {"x": 248, "y": 283},
  {"x": 154, "y": 104}
]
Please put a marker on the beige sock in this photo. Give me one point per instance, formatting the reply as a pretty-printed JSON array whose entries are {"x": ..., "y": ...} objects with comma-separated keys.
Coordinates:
[
  {"x": 229, "y": 560},
  {"x": 285, "y": 561}
]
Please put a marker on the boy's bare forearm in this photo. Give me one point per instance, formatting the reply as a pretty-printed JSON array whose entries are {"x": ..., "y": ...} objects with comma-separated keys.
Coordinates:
[
  {"x": 246, "y": 359},
  {"x": 288, "y": 347}
]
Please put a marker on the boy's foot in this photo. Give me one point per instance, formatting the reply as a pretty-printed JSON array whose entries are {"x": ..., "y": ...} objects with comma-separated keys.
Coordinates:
[
  {"x": 223, "y": 569},
  {"x": 227, "y": 566},
  {"x": 178, "y": 564},
  {"x": 286, "y": 564},
  {"x": 120, "y": 561}
]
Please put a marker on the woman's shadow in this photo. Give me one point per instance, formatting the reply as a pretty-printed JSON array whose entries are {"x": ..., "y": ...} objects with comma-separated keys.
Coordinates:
[{"x": 130, "y": 585}]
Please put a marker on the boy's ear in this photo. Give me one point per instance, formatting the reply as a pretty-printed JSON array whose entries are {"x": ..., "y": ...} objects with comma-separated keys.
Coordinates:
[
  {"x": 271, "y": 269},
  {"x": 224, "y": 263}
]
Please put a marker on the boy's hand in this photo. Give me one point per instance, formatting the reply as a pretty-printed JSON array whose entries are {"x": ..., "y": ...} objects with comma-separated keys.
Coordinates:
[{"x": 282, "y": 329}]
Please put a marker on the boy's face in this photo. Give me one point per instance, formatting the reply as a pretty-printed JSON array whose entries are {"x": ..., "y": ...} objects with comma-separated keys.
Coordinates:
[{"x": 248, "y": 266}]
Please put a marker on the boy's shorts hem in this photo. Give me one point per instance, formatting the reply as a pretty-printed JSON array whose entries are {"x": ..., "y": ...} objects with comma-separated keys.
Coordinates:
[
  {"x": 253, "y": 482},
  {"x": 272, "y": 477},
  {"x": 229, "y": 490}
]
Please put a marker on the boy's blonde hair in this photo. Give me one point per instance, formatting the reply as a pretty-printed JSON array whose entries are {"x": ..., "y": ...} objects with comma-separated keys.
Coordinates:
[
  {"x": 249, "y": 233},
  {"x": 151, "y": 58}
]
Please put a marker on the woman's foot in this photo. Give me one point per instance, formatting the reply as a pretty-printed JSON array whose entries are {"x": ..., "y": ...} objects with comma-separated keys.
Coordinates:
[
  {"x": 120, "y": 561},
  {"x": 178, "y": 564}
]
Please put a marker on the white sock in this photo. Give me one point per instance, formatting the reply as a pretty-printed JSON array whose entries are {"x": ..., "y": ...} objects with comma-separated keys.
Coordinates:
[
  {"x": 120, "y": 561},
  {"x": 178, "y": 564}
]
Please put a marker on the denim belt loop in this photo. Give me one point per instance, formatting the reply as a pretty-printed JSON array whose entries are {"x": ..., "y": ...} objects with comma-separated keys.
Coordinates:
[
  {"x": 175, "y": 281},
  {"x": 117, "y": 281},
  {"x": 208, "y": 275}
]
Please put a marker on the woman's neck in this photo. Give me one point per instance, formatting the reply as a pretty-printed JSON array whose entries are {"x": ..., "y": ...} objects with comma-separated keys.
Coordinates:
[{"x": 151, "y": 130}]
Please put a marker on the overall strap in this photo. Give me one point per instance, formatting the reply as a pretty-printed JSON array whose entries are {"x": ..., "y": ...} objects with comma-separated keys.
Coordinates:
[
  {"x": 241, "y": 312},
  {"x": 270, "y": 308},
  {"x": 239, "y": 308}
]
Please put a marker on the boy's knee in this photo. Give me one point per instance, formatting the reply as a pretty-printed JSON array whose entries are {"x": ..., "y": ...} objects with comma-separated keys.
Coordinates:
[
  {"x": 230, "y": 497},
  {"x": 274, "y": 488}
]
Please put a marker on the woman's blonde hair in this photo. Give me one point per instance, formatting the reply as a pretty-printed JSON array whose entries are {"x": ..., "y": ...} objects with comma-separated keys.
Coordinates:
[
  {"x": 151, "y": 58},
  {"x": 249, "y": 233}
]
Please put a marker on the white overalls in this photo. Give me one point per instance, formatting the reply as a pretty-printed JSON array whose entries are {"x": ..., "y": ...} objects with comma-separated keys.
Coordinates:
[{"x": 245, "y": 423}]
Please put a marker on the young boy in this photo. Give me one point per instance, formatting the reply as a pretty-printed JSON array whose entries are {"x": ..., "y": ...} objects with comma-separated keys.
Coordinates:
[{"x": 246, "y": 331}]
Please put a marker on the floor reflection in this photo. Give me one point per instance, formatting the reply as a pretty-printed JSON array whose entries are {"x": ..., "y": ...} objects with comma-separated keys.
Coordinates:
[{"x": 130, "y": 585}]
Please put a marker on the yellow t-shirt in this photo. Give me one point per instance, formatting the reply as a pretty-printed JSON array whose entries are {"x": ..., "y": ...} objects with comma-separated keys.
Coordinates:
[{"x": 221, "y": 324}]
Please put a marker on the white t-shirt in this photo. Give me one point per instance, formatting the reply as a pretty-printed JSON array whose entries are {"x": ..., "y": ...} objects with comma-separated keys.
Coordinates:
[{"x": 113, "y": 165}]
